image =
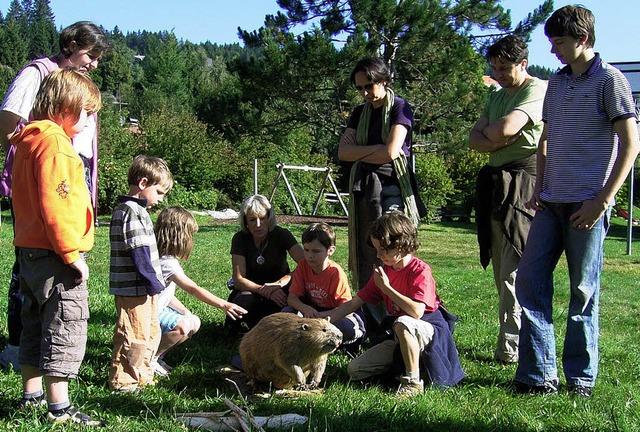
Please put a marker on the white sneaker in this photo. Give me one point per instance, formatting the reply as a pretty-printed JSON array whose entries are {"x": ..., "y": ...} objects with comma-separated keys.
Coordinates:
[
  {"x": 409, "y": 387},
  {"x": 164, "y": 364},
  {"x": 158, "y": 369},
  {"x": 9, "y": 357}
]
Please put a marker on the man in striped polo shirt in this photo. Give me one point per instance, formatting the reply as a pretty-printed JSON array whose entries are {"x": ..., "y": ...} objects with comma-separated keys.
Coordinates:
[{"x": 591, "y": 144}]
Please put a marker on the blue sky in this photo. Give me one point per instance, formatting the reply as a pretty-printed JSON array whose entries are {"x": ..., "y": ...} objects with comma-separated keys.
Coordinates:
[{"x": 217, "y": 21}]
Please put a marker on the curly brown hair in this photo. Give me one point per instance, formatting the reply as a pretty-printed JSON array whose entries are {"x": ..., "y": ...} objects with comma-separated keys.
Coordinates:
[{"x": 394, "y": 230}]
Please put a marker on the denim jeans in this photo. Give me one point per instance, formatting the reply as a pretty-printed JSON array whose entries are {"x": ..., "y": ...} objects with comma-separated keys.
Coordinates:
[{"x": 552, "y": 234}]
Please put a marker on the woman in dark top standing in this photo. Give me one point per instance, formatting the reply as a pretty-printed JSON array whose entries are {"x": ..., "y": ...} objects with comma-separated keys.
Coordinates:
[
  {"x": 377, "y": 139},
  {"x": 261, "y": 274}
]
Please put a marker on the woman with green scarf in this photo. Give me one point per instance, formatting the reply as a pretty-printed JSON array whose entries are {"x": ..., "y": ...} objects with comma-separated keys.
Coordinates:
[{"x": 377, "y": 140}]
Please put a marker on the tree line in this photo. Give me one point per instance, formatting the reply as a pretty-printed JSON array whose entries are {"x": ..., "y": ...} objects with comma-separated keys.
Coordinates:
[{"x": 284, "y": 95}]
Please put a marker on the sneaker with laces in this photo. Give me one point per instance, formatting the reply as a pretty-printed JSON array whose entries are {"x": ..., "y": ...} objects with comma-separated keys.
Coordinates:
[
  {"x": 27, "y": 403},
  {"x": 165, "y": 365},
  {"x": 73, "y": 414},
  {"x": 158, "y": 369},
  {"x": 547, "y": 388},
  {"x": 9, "y": 357},
  {"x": 409, "y": 387},
  {"x": 580, "y": 391}
]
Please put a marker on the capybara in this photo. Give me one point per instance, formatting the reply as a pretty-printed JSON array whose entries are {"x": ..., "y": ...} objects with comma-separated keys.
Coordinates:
[{"x": 284, "y": 349}]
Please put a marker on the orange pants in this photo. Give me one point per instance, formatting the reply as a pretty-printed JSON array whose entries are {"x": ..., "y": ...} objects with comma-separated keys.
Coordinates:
[{"x": 135, "y": 342}]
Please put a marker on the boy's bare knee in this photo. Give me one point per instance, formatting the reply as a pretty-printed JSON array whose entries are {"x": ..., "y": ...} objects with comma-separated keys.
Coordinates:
[{"x": 399, "y": 327}]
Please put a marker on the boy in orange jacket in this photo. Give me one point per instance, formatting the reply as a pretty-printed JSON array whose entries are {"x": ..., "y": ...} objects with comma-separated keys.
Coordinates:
[{"x": 53, "y": 228}]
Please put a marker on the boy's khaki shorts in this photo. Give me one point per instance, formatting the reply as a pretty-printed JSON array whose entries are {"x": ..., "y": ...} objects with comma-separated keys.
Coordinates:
[
  {"x": 379, "y": 358},
  {"x": 54, "y": 314}
]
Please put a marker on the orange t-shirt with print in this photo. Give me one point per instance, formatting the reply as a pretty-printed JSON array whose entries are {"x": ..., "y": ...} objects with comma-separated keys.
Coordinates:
[{"x": 323, "y": 291}]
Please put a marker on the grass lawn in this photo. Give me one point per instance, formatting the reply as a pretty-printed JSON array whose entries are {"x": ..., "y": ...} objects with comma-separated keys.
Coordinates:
[{"x": 482, "y": 402}]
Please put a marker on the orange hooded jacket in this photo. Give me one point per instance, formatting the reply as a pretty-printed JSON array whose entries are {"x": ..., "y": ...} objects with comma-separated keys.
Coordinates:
[{"x": 51, "y": 202}]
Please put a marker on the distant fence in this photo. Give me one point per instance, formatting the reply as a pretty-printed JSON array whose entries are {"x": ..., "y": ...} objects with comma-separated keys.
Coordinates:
[{"x": 631, "y": 71}]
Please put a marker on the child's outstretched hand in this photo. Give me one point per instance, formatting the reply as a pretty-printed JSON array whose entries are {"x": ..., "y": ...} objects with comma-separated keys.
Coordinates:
[{"x": 233, "y": 311}]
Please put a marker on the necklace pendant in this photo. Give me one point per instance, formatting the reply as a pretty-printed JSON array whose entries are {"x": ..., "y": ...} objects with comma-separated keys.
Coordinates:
[{"x": 260, "y": 259}]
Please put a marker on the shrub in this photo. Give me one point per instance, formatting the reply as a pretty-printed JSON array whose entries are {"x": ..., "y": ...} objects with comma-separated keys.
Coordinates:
[
  {"x": 193, "y": 200},
  {"x": 434, "y": 183},
  {"x": 112, "y": 181},
  {"x": 464, "y": 167},
  {"x": 200, "y": 161}
]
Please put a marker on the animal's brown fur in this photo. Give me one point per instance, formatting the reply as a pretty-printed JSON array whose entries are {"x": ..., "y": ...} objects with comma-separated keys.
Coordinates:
[{"x": 284, "y": 349}]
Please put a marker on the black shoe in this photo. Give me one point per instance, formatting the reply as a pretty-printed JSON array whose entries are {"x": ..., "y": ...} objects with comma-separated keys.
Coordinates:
[
  {"x": 72, "y": 414},
  {"x": 580, "y": 391},
  {"x": 548, "y": 388},
  {"x": 27, "y": 403}
]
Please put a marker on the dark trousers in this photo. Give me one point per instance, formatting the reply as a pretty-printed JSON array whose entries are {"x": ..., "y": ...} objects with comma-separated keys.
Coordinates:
[{"x": 14, "y": 305}]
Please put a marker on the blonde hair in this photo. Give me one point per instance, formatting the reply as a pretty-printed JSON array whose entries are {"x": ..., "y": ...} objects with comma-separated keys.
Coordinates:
[
  {"x": 66, "y": 92},
  {"x": 153, "y": 168},
  {"x": 174, "y": 230},
  {"x": 256, "y": 204}
]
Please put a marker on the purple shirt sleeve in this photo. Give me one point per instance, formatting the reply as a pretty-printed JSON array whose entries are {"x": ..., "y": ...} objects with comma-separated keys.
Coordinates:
[
  {"x": 401, "y": 114},
  {"x": 141, "y": 257}
]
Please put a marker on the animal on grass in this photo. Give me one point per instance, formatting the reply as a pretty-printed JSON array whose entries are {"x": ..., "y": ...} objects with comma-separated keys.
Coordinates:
[{"x": 284, "y": 349}]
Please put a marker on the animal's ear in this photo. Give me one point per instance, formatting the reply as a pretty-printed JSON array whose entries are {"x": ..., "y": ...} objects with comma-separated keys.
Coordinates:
[
  {"x": 328, "y": 318},
  {"x": 305, "y": 326}
]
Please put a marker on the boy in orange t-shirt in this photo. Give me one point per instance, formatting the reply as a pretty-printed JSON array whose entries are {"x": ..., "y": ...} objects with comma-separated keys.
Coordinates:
[{"x": 319, "y": 284}]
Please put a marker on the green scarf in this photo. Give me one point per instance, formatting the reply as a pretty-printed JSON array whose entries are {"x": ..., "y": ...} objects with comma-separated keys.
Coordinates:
[{"x": 402, "y": 171}]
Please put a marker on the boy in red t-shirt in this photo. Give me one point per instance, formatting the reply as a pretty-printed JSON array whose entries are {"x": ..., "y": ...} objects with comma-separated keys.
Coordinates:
[
  {"x": 420, "y": 326},
  {"x": 319, "y": 284}
]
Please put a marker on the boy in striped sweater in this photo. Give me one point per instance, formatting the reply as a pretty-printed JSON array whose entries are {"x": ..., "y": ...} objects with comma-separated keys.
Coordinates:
[{"x": 135, "y": 276}]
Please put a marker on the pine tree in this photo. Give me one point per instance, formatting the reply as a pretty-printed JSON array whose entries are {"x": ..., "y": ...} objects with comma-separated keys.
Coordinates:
[
  {"x": 430, "y": 47},
  {"x": 42, "y": 29},
  {"x": 14, "y": 49}
]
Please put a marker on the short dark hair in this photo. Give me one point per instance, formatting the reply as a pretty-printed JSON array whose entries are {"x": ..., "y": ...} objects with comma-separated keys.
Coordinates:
[
  {"x": 86, "y": 35},
  {"x": 574, "y": 21},
  {"x": 374, "y": 68},
  {"x": 394, "y": 230},
  {"x": 319, "y": 231},
  {"x": 511, "y": 48}
]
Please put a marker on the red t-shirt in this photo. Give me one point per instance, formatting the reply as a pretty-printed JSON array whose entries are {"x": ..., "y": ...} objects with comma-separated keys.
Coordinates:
[
  {"x": 326, "y": 290},
  {"x": 414, "y": 281}
]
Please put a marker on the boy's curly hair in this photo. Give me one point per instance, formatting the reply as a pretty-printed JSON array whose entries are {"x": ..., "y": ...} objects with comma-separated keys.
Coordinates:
[{"x": 394, "y": 230}]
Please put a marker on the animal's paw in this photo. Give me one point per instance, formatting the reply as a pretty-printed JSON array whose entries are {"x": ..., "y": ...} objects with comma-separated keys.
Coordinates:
[
  {"x": 313, "y": 385},
  {"x": 300, "y": 387}
]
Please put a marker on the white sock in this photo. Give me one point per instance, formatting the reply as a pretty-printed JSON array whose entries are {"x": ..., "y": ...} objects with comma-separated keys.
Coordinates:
[{"x": 415, "y": 375}]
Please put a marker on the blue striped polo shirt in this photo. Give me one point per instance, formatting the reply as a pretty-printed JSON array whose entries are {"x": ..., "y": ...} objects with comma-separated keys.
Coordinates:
[{"x": 582, "y": 145}]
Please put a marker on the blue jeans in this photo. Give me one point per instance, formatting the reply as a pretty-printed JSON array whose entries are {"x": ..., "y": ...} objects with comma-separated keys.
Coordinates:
[{"x": 551, "y": 234}]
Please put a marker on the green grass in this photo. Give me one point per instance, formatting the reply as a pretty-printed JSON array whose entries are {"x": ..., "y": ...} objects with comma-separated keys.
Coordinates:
[{"x": 482, "y": 402}]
